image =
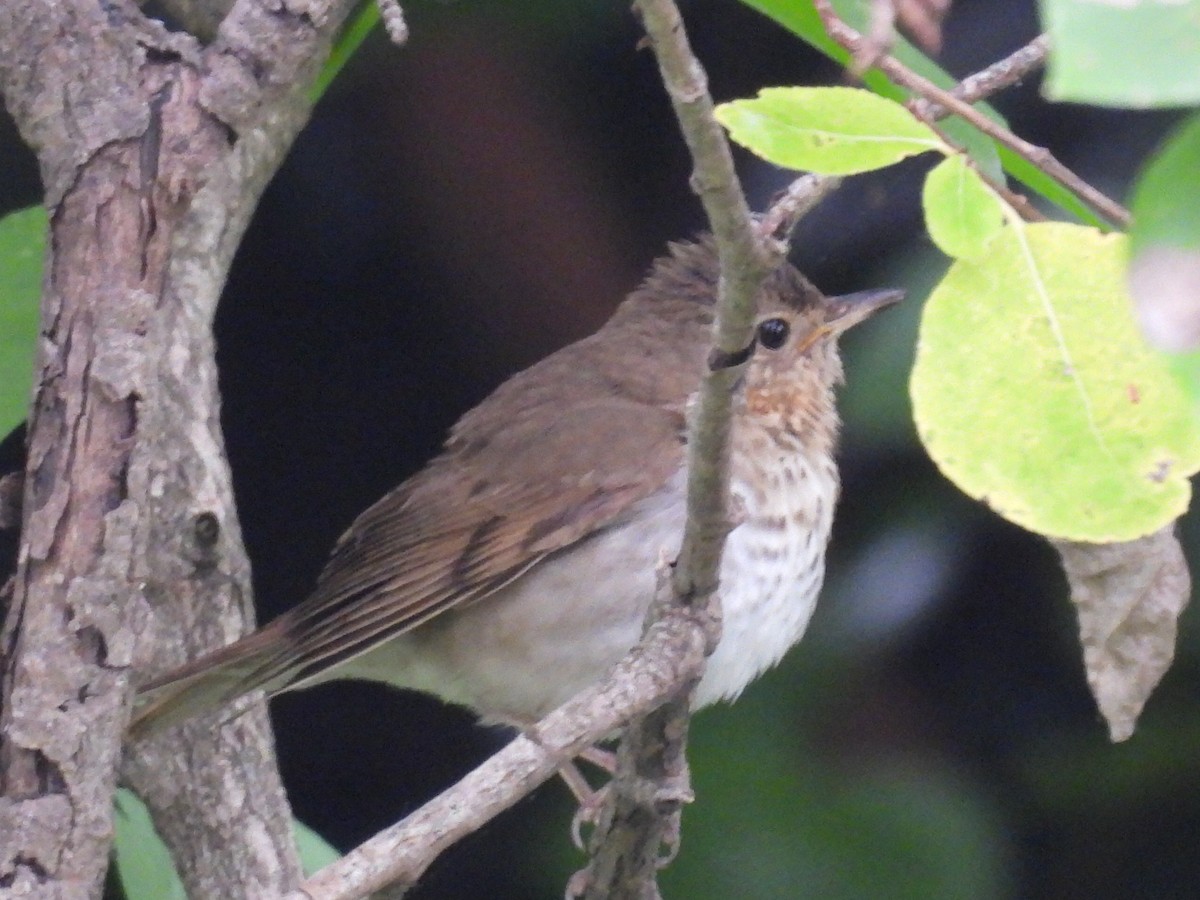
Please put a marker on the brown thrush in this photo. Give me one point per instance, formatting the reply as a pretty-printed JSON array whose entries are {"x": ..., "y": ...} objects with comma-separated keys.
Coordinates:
[{"x": 517, "y": 566}]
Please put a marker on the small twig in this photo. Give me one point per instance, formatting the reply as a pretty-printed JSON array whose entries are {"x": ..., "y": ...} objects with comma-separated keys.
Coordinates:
[
  {"x": 921, "y": 20},
  {"x": 393, "y": 21},
  {"x": 1038, "y": 156},
  {"x": 996, "y": 77},
  {"x": 797, "y": 199},
  {"x": 1018, "y": 201}
]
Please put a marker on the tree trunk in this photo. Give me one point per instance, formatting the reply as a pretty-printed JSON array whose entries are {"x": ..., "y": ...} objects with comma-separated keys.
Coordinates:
[{"x": 153, "y": 152}]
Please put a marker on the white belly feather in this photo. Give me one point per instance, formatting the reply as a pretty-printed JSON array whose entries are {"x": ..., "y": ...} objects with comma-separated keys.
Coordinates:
[{"x": 771, "y": 574}]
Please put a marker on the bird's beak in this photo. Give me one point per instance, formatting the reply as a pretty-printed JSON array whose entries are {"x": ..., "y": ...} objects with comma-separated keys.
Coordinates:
[
  {"x": 843, "y": 313},
  {"x": 848, "y": 310}
]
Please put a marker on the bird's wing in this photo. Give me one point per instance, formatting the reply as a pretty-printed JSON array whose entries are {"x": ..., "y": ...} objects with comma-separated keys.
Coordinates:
[{"x": 472, "y": 521}]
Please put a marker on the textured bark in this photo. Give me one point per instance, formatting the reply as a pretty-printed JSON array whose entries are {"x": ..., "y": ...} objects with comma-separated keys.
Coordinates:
[{"x": 153, "y": 152}]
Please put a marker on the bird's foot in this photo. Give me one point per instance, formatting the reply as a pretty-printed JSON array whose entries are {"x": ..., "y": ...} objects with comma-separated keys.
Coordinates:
[{"x": 591, "y": 800}]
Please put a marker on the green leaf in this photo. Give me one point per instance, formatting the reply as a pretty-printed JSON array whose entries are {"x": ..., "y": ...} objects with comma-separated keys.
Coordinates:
[
  {"x": 144, "y": 864},
  {"x": 961, "y": 212},
  {"x": 1164, "y": 198},
  {"x": 1164, "y": 268},
  {"x": 830, "y": 131},
  {"x": 315, "y": 852},
  {"x": 1034, "y": 392},
  {"x": 347, "y": 44},
  {"x": 1137, "y": 53},
  {"x": 22, "y": 243}
]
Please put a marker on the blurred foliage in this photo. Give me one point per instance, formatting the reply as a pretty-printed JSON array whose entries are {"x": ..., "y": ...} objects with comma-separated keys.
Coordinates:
[
  {"x": 140, "y": 858},
  {"x": 354, "y": 32},
  {"x": 835, "y": 829},
  {"x": 1166, "y": 217},
  {"x": 1136, "y": 54},
  {"x": 1163, "y": 200}
]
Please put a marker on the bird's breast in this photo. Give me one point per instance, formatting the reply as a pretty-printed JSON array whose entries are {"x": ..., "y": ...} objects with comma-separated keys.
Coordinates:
[{"x": 773, "y": 566}]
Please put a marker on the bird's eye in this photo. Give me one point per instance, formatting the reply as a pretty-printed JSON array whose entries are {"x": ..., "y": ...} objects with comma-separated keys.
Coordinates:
[{"x": 773, "y": 333}]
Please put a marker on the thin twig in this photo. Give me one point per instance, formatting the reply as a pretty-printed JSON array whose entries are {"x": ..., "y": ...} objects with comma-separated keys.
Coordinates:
[
  {"x": 1038, "y": 156},
  {"x": 921, "y": 20},
  {"x": 996, "y": 77},
  {"x": 797, "y": 199}
]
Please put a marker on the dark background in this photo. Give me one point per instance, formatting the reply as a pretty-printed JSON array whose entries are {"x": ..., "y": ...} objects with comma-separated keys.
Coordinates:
[{"x": 462, "y": 206}]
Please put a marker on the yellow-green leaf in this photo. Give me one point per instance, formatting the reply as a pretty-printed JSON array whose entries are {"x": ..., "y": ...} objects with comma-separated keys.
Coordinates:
[
  {"x": 831, "y": 131},
  {"x": 1034, "y": 392},
  {"x": 961, "y": 212}
]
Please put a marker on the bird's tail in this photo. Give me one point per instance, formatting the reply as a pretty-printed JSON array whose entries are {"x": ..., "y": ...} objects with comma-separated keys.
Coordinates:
[{"x": 204, "y": 684}]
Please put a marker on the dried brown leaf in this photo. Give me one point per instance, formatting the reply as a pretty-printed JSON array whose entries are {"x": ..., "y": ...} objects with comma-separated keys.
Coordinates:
[{"x": 1128, "y": 597}]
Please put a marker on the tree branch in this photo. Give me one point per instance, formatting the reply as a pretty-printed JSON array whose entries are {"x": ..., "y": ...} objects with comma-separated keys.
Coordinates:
[
  {"x": 1038, "y": 156},
  {"x": 794, "y": 203}
]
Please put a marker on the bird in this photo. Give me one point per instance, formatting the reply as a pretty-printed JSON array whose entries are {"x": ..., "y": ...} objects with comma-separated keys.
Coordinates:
[{"x": 517, "y": 566}]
